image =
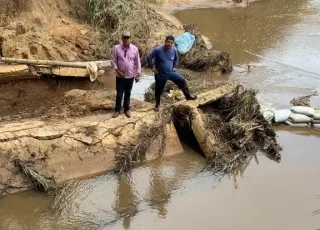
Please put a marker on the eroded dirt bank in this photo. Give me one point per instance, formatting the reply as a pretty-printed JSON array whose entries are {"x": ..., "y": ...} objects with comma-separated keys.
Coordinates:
[
  {"x": 54, "y": 29},
  {"x": 85, "y": 30}
]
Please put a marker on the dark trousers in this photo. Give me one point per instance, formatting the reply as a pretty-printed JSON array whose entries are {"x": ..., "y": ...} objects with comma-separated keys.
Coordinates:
[
  {"x": 123, "y": 86},
  {"x": 161, "y": 80}
]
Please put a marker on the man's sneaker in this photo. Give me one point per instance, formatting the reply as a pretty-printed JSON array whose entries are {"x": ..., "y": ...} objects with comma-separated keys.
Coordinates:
[
  {"x": 127, "y": 113},
  {"x": 115, "y": 114},
  {"x": 156, "y": 108}
]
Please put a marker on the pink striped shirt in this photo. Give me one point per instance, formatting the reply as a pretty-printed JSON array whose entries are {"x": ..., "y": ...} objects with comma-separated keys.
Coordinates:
[{"x": 127, "y": 60}]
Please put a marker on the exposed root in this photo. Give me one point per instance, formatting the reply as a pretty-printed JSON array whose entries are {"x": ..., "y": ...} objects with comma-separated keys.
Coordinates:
[
  {"x": 39, "y": 182},
  {"x": 129, "y": 155}
]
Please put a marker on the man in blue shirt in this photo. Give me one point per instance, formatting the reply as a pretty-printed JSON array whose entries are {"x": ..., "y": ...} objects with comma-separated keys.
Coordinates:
[{"x": 166, "y": 61}]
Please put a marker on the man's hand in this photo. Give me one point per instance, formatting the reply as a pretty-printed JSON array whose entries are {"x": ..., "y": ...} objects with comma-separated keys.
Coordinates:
[
  {"x": 174, "y": 70},
  {"x": 120, "y": 74},
  {"x": 137, "y": 78},
  {"x": 155, "y": 70}
]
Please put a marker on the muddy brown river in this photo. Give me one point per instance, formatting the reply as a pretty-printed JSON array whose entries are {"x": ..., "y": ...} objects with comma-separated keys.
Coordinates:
[{"x": 177, "y": 192}]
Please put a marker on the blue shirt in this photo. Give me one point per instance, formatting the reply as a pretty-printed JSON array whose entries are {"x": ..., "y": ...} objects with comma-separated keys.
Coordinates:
[{"x": 165, "y": 60}]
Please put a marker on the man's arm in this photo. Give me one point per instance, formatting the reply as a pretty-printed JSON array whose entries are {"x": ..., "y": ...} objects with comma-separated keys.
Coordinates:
[
  {"x": 138, "y": 62},
  {"x": 150, "y": 57},
  {"x": 114, "y": 59},
  {"x": 176, "y": 59}
]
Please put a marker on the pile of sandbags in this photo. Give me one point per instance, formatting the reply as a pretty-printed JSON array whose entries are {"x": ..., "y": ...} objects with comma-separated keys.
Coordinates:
[{"x": 296, "y": 116}]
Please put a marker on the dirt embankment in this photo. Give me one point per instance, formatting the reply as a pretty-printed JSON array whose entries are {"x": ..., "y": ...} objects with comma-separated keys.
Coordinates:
[
  {"x": 67, "y": 30},
  {"x": 51, "y": 29}
]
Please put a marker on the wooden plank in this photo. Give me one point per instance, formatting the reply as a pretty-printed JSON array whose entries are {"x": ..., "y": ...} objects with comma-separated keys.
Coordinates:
[
  {"x": 209, "y": 96},
  {"x": 205, "y": 139}
]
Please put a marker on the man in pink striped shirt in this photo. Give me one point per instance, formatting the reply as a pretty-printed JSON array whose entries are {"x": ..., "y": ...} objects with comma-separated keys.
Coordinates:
[{"x": 126, "y": 62}]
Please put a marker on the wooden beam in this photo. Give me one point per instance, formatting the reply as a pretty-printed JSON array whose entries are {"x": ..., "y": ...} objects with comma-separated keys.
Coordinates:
[{"x": 101, "y": 64}]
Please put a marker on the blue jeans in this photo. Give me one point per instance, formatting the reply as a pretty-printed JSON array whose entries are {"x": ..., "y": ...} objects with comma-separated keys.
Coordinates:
[
  {"x": 161, "y": 80},
  {"x": 123, "y": 86}
]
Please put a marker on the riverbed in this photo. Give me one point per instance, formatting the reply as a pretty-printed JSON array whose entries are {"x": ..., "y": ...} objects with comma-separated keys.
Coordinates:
[{"x": 178, "y": 192}]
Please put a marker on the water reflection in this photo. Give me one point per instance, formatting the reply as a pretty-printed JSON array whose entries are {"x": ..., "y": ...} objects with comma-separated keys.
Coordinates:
[
  {"x": 159, "y": 196},
  {"x": 172, "y": 191},
  {"x": 113, "y": 201},
  {"x": 126, "y": 201}
]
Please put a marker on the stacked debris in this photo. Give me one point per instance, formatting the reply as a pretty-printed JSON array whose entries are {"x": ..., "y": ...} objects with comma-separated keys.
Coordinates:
[{"x": 232, "y": 129}]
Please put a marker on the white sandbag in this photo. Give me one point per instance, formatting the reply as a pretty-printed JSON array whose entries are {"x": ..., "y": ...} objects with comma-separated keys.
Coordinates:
[
  {"x": 281, "y": 115},
  {"x": 299, "y": 118},
  {"x": 296, "y": 124},
  {"x": 315, "y": 121},
  {"x": 268, "y": 115},
  {"x": 317, "y": 126},
  {"x": 316, "y": 117},
  {"x": 308, "y": 111}
]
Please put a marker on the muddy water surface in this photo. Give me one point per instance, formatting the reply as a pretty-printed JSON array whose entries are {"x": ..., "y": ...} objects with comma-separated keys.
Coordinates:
[
  {"x": 282, "y": 35},
  {"x": 177, "y": 193}
]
